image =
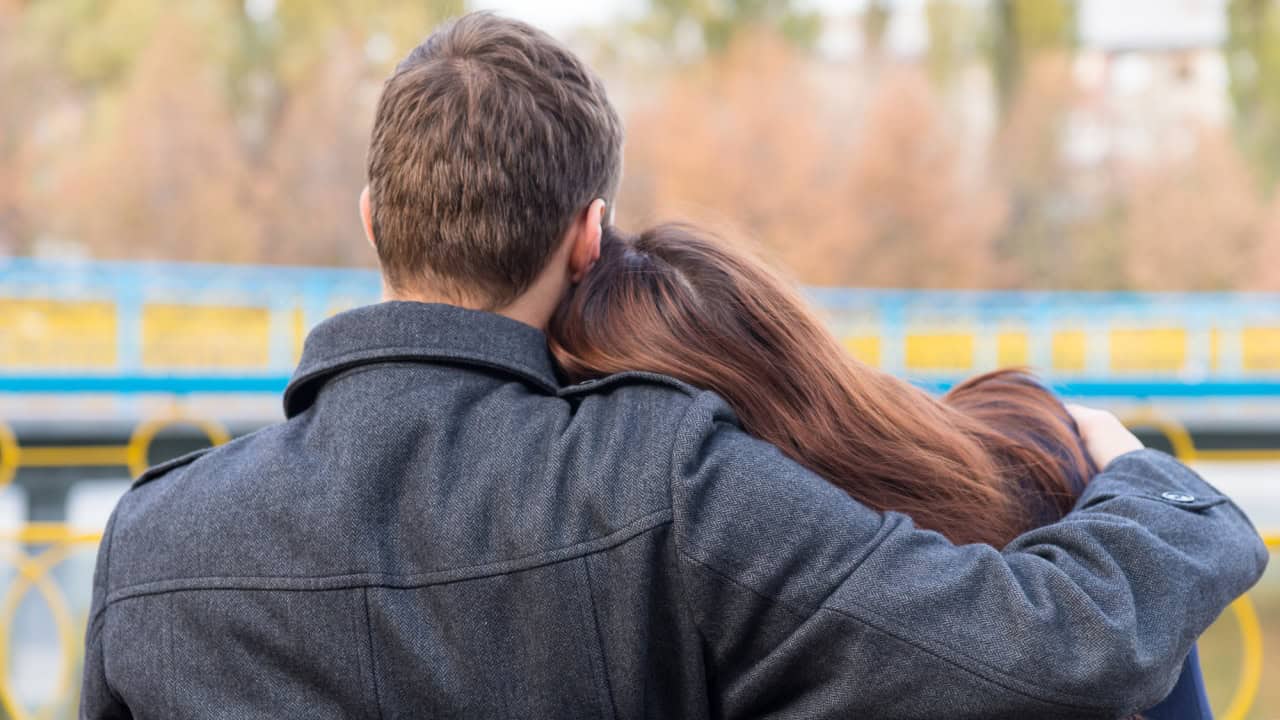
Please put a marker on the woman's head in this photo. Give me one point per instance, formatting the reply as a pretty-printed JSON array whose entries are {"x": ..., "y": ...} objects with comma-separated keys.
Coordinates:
[{"x": 981, "y": 467}]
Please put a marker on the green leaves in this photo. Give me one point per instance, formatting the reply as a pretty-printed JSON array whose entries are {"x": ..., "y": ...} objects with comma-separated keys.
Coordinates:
[
  {"x": 200, "y": 129},
  {"x": 1253, "y": 61},
  {"x": 718, "y": 23},
  {"x": 1020, "y": 30}
]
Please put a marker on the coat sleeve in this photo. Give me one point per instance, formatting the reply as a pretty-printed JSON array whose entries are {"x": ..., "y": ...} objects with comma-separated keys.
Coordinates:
[
  {"x": 97, "y": 700},
  {"x": 811, "y": 604}
]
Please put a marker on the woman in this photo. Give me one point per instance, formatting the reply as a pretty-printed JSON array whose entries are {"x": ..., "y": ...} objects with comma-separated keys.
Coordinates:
[{"x": 997, "y": 456}]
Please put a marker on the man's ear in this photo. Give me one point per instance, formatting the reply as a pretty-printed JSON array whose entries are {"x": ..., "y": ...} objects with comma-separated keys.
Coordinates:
[
  {"x": 366, "y": 217},
  {"x": 586, "y": 240}
]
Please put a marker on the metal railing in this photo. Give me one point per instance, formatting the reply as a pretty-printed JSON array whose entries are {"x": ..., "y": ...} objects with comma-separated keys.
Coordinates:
[
  {"x": 129, "y": 327},
  {"x": 34, "y": 573}
]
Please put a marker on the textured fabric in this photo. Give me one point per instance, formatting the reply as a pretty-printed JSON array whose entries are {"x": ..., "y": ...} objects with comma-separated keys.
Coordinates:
[{"x": 441, "y": 530}]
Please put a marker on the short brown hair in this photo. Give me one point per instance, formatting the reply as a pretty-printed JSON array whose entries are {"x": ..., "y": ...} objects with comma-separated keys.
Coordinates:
[{"x": 489, "y": 139}]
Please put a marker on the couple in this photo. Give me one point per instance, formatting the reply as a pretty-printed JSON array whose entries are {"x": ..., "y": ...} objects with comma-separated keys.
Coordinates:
[{"x": 569, "y": 472}]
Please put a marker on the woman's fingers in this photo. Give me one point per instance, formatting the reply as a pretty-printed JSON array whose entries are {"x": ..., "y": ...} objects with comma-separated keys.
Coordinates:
[{"x": 1104, "y": 435}]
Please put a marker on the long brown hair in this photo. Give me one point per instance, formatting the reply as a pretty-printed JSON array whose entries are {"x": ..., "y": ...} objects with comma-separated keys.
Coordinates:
[{"x": 995, "y": 457}]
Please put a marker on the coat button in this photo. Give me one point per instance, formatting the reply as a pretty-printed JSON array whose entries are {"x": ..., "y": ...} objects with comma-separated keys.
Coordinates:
[{"x": 1178, "y": 497}]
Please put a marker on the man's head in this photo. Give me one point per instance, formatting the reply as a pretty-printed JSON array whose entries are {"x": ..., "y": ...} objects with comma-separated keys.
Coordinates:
[{"x": 492, "y": 143}]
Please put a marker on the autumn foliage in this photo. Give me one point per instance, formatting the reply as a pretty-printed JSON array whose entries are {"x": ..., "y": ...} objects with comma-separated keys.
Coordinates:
[{"x": 199, "y": 139}]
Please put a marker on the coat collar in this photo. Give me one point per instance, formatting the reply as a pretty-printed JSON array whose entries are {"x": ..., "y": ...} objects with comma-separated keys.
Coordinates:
[{"x": 418, "y": 332}]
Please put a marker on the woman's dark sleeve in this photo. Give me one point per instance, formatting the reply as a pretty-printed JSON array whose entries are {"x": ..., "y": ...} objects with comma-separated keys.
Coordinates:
[{"x": 1188, "y": 699}]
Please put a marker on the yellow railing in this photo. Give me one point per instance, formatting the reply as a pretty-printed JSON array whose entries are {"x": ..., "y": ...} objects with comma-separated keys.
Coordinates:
[
  {"x": 85, "y": 334},
  {"x": 58, "y": 541},
  {"x": 34, "y": 574},
  {"x": 132, "y": 454}
]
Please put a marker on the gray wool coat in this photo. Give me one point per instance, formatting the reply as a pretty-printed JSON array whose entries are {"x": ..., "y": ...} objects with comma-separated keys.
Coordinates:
[{"x": 441, "y": 529}]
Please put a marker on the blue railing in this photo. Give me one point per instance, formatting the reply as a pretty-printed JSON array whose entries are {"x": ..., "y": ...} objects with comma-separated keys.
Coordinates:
[{"x": 141, "y": 327}]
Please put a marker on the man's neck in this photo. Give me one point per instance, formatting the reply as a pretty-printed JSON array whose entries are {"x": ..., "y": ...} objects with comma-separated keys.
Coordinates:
[{"x": 531, "y": 308}]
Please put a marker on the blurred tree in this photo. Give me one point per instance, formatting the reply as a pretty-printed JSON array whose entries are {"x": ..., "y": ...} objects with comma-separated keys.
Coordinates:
[
  {"x": 1034, "y": 244},
  {"x": 38, "y": 118},
  {"x": 1253, "y": 61},
  {"x": 1266, "y": 266},
  {"x": 718, "y": 22},
  {"x": 1096, "y": 253},
  {"x": 926, "y": 221},
  {"x": 147, "y": 128},
  {"x": 1020, "y": 30},
  {"x": 300, "y": 32},
  {"x": 318, "y": 67},
  {"x": 1194, "y": 224},
  {"x": 887, "y": 202},
  {"x": 12, "y": 131},
  {"x": 875, "y": 25},
  {"x": 96, "y": 42},
  {"x": 220, "y": 136},
  {"x": 952, "y": 27},
  {"x": 308, "y": 195},
  {"x": 282, "y": 50},
  {"x": 163, "y": 174},
  {"x": 735, "y": 145}
]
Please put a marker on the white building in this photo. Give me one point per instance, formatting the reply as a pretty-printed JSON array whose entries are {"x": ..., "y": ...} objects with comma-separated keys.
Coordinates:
[{"x": 1151, "y": 74}]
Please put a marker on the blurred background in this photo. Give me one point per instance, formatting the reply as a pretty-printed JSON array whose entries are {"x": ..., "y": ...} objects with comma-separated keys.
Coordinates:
[{"x": 1085, "y": 187}]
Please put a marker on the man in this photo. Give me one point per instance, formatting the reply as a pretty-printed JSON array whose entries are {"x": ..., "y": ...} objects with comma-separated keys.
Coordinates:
[{"x": 441, "y": 529}]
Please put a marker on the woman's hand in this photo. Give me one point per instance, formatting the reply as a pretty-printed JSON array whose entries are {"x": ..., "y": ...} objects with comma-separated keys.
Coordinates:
[{"x": 1104, "y": 435}]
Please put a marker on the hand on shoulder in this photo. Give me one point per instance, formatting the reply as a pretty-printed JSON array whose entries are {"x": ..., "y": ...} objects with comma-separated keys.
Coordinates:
[{"x": 1104, "y": 435}]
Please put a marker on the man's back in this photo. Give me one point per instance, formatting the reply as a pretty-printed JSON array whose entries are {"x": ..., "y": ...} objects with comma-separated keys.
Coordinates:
[
  {"x": 439, "y": 530},
  {"x": 415, "y": 532}
]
